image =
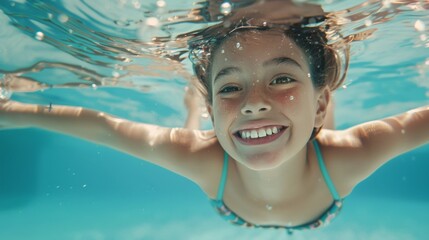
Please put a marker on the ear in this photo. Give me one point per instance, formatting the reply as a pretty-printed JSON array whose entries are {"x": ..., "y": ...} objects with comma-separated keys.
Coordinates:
[{"x": 322, "y": 107}]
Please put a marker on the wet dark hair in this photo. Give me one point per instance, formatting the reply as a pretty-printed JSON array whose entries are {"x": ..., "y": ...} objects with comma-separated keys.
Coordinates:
[{"x": 328, "y": 65}]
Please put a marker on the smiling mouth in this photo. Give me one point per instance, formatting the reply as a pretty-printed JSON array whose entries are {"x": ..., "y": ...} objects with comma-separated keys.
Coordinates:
[{"x": 261, "y": 135}]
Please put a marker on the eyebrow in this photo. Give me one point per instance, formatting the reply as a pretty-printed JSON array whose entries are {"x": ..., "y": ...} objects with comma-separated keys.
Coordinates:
[
  {"x": 281, "y": 60},
  {"x": 226, "y": 71},
  {"x": 274, "y": 61}
]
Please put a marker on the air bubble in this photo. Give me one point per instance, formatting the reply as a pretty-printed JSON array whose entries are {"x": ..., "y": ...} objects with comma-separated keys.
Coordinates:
[
  {"x": 368, "y": 22},
  {"x": 115, "y": 74},
  {"x": 137, "y": 4},
  {"x": 419, "y": 25},
  {"x": 40, "y": 36},
  {"x": 152, "y": 22},
  {"x": 161, "y": 3},
  {"x": 225, "y": 8},
  {"x": 63, "y": 18},
  {"x": 386, "y": 3},
  {"x": 291, "y": 98},
  {"x": 238, "y": 45},
  {"x": 309, "y": 75}
]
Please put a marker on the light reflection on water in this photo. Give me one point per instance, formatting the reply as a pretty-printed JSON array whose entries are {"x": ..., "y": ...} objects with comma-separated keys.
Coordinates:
[{"x": 130, "y": 43}]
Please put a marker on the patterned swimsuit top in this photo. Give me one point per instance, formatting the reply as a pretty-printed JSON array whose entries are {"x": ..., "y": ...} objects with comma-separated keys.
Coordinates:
[{"x": 322, "y": 220}]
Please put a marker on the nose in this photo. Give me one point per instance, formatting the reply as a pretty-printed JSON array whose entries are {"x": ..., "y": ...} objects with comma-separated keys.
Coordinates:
[{"x": 255, "y": 105}]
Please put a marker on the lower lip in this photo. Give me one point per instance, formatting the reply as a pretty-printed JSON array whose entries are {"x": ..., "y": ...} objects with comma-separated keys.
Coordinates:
[{"x": 259, "y": 141}]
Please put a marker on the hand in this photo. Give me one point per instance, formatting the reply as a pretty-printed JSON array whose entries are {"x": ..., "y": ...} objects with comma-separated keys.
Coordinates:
[{"x": 193, "y": 100}]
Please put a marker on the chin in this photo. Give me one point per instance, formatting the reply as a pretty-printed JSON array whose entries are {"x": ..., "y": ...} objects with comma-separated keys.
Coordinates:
[{"x": 261, "y": 163}]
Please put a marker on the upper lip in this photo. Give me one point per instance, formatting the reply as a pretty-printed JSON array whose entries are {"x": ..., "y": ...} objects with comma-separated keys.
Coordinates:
[{"x": 258, "y": 124}]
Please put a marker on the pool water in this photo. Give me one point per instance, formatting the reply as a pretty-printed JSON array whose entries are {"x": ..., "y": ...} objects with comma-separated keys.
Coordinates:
[{"x": 58, "y": 187}]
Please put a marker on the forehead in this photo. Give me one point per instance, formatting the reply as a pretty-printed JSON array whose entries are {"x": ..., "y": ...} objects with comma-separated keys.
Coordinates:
[{"x": 254, "y": 47}]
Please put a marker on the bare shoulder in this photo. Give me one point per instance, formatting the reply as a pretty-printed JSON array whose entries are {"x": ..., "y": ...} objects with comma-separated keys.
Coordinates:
[
  {"x": 203, "y": 155},
  {"x": 341, "y": 151}
]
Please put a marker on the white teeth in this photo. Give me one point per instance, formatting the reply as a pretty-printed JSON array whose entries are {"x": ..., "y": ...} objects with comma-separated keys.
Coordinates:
[
  {"x": 275, "y": 130},
  {"x": 262, "y": 133},
  {"x": 254, "y": 134},
  {"x": 243, "y": 134},
  {"x": 258, "y": 133}
]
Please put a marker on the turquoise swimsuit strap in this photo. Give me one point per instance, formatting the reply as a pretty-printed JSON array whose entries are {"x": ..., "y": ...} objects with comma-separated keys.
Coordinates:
[
  {"x": 325, "y": 173},
  {"x": 223, "y": 178},
  {"x": 322, "y": 166}
]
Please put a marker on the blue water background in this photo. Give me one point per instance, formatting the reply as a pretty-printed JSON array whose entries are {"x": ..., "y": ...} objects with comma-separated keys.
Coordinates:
[{"x": 59, "y": 187}]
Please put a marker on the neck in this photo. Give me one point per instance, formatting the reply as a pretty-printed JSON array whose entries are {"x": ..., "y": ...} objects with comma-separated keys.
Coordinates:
[{"x": 278, "y": 184}]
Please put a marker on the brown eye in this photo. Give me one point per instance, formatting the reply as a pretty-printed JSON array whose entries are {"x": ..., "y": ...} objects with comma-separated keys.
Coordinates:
[{"x": 282, "y": 80}]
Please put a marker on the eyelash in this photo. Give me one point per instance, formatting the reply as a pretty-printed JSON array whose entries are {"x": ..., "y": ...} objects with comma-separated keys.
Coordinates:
[{"x": 227, "y": 89}]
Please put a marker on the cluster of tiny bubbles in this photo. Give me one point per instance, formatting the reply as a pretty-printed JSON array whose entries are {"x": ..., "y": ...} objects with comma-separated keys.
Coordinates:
[
  {"x": 5, "y": 94},
  {"x": 151, "y": 26},
  {"x": 226, "y": 8}
]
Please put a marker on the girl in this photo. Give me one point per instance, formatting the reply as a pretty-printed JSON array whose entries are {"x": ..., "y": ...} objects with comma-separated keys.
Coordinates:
[{"x": 268, "y": 162}]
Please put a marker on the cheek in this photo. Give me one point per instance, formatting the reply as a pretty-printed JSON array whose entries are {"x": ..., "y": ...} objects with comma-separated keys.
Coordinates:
[
  {"x": 224, "y": 109},
  {"x": 290, "y": 100}
]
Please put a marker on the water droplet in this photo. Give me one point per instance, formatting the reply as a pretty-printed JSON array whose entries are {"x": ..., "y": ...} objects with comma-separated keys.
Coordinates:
[
  {"x": 225, "y": 8},
  {"x": 84, "y": 185},
  {"x": 205, "y": 115},
  {"x": 115, "y": 74},
  {"x": 63, "y": 18},
  {"x": 58, "y": 187},
  {"x": 386, "y": 3},
  {"x": 137, "y": 4},
  {"x": 222, "y": 51},
  {"x": 161, "y": 3},
  {"x": 344, "y": 86},
  {"x": 237, "y": 45},
  {"x": 368, "y": 22},
  {"x": 309, "y": 75},
  {"x": 419, "y": 25},
  {"x": 269, "y": 207},
  {"x": 39, "y": 36},
  {"x": 50, "y": 15},
  {"x": 152, "y": 22},
  {"x": 291, "y": 98}
]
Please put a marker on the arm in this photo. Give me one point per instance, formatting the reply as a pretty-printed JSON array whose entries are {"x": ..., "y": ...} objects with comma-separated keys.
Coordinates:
[
  {"x": 192, "y": 102},
  {"x": 178, "y": 150},
  {"x": 375, "y": 143}
]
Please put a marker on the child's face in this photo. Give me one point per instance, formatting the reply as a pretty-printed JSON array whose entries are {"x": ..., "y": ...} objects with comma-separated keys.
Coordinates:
[{"x": 261, "y": 85}]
